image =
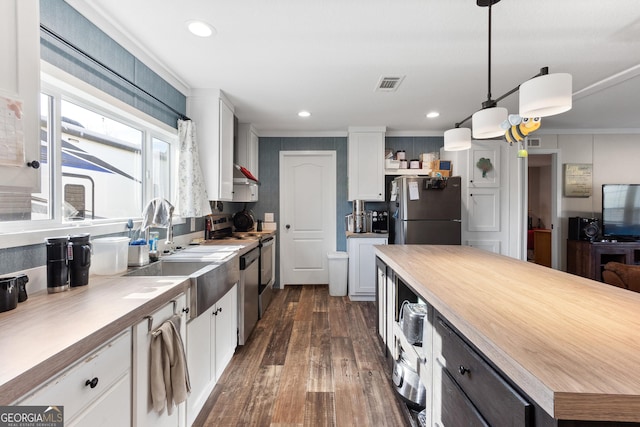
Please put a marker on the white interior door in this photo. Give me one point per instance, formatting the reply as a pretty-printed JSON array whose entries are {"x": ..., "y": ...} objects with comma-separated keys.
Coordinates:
[{"x": 307, "y": 215}]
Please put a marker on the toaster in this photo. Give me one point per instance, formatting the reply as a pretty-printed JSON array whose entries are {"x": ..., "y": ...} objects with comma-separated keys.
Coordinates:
[{"x": 411, "y": 321}]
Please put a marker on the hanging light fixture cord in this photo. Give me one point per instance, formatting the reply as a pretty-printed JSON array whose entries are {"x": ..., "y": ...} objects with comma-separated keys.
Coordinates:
[{"x": 489, "y": 103}]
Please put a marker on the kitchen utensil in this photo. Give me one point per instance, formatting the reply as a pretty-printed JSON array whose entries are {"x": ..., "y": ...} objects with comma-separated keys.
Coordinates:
[
  {"x": 8, "y": 293},
  {"x": 79, "y": 254},
  {"x": 412, "y": 320},
  {"x": 407, "y": 383},
  {"x": 57, "y": 267},
  {"x": 243, "y": 220},
  {"x": 246, "y": 173}
]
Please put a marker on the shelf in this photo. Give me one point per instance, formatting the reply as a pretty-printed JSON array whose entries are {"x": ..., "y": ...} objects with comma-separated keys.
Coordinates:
[{"x": 421, "y": 172}]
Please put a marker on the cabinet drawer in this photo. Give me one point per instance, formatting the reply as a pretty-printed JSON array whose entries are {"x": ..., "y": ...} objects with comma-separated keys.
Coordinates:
[
  {"x": 457, "y": 410},
  {"x": 108, "y": 364},
  {"x": 496, "y": 400}
]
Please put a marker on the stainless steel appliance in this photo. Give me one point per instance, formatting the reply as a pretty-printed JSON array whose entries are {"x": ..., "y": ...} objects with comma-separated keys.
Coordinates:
[
  {"x": 218, "y": 226},
  {"x": 407, "y": 383},
  {"x": 425, "y": 210},
  {"x": 266, "y": 273},
  {"x": 359, "y": 217},
  {"x": 248, "y": 294}
]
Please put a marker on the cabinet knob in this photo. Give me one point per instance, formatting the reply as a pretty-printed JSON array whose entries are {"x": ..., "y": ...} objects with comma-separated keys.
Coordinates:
[
  {"x": 462, "y": 370},
  {"x": 34, "y": 164},
  {"x": 287, "y": 226},
  {"x": 185, "y": 310},
  {"x": 92, "y": 383}
]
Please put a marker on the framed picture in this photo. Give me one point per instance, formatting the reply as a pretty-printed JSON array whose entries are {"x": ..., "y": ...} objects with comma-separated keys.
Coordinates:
[{"x": 578, "y": 179}]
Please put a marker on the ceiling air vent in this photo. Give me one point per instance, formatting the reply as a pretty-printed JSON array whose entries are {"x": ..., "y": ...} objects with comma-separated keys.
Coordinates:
[{"x": 389, "y": 83}]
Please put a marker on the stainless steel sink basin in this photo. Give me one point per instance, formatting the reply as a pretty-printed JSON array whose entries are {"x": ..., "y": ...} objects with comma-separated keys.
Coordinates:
[
  {"x": 209, "y": 281},
  {"x": 166, "y": 268}
]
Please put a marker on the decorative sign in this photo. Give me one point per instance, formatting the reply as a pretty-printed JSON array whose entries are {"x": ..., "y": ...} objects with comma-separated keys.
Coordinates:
[
  {"x": 11, "y": 132},
  {"x": 578, "y": 179}
]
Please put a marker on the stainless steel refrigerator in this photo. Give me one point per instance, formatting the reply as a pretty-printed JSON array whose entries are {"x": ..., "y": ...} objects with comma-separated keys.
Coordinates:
[{"x": 425, "y": 210}]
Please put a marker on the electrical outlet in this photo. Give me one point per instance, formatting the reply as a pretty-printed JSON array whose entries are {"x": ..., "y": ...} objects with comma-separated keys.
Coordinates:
[{"x": 193, "y": 224}]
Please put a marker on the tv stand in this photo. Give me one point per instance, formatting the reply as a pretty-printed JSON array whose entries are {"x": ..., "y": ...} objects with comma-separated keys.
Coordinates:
[{"x": 587, "y": 259}]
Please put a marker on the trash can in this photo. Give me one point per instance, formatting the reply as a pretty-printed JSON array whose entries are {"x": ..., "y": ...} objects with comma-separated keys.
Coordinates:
[{"x": 338, "y": 271}]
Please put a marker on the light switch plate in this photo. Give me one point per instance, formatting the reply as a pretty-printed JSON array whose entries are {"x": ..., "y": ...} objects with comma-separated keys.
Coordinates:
[{"x": 268, "y": 217}]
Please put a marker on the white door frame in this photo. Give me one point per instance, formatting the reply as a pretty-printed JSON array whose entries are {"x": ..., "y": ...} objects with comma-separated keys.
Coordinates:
[
  {"x": 331, "y": 239},
  {"x": 556, "y": 203}
]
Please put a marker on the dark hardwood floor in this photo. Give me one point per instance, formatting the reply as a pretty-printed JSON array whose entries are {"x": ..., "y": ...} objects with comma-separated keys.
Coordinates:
[{"x": 312, "y": 360}]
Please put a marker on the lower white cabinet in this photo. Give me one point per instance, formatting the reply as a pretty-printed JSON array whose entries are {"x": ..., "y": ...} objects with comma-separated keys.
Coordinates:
[
  {"x": 362, "y": 270},
  {"x": 212, "y": 338},
  {"x": 95, "y": 390},
  {"x": 143, "y": 412}
]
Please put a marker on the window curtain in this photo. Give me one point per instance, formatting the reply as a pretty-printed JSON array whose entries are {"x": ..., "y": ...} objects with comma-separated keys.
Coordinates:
[{"x": 192, "y": 193}]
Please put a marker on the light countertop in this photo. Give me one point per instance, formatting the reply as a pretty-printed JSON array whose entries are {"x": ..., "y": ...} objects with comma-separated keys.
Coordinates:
[{"x": 570, "y": 343}]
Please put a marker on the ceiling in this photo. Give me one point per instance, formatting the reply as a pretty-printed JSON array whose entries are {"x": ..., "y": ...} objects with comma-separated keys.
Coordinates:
[{"x": 275, "y": 58}]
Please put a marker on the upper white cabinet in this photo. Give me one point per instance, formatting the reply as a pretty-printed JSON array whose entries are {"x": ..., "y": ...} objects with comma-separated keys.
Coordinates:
[
  {"x": 19, "y": 95},
  {"x": 213, "y": 115},
  {"x": 246, "y": 155},
  {"x": 366, "y": 163},
  {"x": 246, "y": 148}
]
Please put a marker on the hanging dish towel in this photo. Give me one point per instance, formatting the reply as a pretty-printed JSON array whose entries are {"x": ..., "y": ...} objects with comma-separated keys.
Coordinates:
[{"x": 169, "y": 375}]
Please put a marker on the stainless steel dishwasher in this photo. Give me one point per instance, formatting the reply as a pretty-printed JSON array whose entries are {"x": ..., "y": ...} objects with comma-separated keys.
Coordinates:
[{"x": 248, "y": 294}]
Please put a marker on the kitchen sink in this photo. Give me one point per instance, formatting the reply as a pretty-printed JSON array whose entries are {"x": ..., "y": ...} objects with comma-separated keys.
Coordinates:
[
  {"x": 169, "y": 268},
  {"x": 209, "y": 281}
]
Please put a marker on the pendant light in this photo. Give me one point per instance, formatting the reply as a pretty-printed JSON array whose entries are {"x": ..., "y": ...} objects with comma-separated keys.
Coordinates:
[
  {"x": 457, "y": 139},
  {"x": 486, "y": 122},
  {"x": 541, "y": 96},
  {"x": 546, "y": 95}
]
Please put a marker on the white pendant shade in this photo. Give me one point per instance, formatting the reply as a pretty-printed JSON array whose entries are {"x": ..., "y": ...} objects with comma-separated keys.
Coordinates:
[
  {"x": 546, "y": 95},
  {"x": 457, "y": 139},
  {"x": 486, "y": 122}
]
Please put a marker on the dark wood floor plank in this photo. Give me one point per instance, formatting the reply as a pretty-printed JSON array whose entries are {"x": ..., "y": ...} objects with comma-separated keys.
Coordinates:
[
  {"x": 259, "y": 410},
  {"x": 321, "y": 299},
  {"x": 379, "y": 396},
  {"x": 276, "y": 351},
  {"x": 338, "y": 321},
  {"x": 319, "y": 410},
  {"x": 320, "y": 373},
  {"x": 304, "y": 309},
  {"x": 365, "y": 348},
  {"x": 291, "y": 397}
]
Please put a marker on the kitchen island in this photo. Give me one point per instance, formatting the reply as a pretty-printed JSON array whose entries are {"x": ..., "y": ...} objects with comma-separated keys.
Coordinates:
[{"x": 567, "y": 347}]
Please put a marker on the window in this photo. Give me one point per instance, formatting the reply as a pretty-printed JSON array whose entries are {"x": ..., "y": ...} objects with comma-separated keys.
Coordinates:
[{"x": 98, "y": 164}]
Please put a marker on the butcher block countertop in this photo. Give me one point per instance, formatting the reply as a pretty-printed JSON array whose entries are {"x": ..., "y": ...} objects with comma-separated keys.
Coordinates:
[
  {"x": 570, "y": 343},
  {"x": 48, "y": 332}
]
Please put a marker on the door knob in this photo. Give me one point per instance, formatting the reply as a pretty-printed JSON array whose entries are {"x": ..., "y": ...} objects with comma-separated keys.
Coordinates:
[{"x": 287, "y": 226}]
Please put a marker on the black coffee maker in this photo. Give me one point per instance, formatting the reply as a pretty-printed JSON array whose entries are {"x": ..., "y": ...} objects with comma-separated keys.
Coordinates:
[
  {"x": 79, "y": 256},
  {"x": 57, "y": 267}
]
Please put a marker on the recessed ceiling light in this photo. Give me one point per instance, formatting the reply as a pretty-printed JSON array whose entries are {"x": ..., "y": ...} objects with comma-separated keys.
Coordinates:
[
  {"x": 432, "y": 114},
  {"x": 304, "y": 114},
  {"x": 200, "y": 29}
]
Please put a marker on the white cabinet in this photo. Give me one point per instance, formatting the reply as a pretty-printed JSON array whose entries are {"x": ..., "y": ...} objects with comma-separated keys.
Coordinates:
[
  {"x": 19, "y": 94},
  {"x": 246, "y": 155},
  {"x": 95, "y": 390},
  {"x": 212, "y": 338},
  {"x": 246, "y": 148},
  {"x": 143, "y": 412},
  {"x": 213, "y": 115},
  {"x": 362, "y": 267},
  {"x": 366, "y": 163}
]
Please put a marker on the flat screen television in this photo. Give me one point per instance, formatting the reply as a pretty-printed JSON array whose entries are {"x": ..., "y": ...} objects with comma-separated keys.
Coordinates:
[{"x": 621, "y": 211}]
